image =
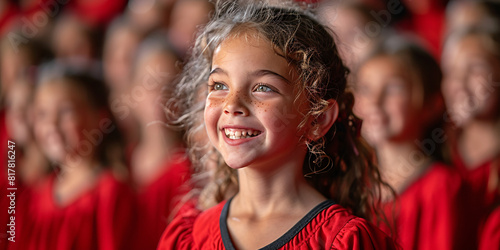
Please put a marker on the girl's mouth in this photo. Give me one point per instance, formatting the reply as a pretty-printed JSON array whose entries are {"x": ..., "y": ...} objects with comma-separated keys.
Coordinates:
[{"x": 235, "y": 134}]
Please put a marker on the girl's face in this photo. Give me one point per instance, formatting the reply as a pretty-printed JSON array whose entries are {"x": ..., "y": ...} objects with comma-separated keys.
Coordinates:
[
  {"x": 64, "y": 122},
  {"x": 471, "y": 76},
  {"x": 250, "y": 114},
  {"x": 383, "y": 100}
]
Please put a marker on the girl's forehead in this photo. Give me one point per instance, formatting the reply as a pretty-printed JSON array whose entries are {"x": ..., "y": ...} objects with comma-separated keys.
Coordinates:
[{"x": 247, "y": 54}]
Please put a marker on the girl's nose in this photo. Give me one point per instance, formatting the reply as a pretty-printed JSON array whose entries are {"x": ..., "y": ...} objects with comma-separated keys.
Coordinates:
[{"x": 234, "y": 105}]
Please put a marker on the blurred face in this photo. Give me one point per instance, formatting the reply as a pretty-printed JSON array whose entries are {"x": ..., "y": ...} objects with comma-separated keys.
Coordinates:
[
  {"x": 384, "y": 101},
  {"x": 61, "y": 116},
  {"x": 70, "y": 41},
  {"x": 186, "y": 17},
  {"x": 117, "y": 61},
  {"x": 348, "y": 23},
  {"x": 154, "y": 73},
  {"x": 471, "y": 76},
  {"x": 250, "y": 114},
  {"x": 12, "y": 65},
  {"x": 18, "y": 104}
]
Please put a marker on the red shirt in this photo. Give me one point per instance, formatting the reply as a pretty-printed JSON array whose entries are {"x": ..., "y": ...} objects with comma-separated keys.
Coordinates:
[
  {"x": 327, "y": 226},
  {"x": 156, "y": 201},
  {"x": 98, "y": 219},
  {"x": 431, "y": 212},
  {"x": 490, "y": 236}
]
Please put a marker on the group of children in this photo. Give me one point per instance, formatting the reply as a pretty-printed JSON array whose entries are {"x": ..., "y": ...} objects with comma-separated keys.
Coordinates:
[{"x": 276, "y": 128}]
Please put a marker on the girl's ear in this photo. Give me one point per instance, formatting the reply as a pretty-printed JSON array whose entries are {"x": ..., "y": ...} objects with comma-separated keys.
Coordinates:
[{"x": 325, "y": 121}]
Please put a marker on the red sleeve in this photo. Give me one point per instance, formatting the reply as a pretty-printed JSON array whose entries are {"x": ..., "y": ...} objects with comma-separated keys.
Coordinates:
[
  {"x": 113, "y": 216},
  {"x": 490, "y": 237},
  {"x": 178, "y": 234},
  {"x": 359, "y": 234}
]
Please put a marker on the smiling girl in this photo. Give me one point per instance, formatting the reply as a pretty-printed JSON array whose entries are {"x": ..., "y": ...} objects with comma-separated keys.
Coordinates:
[{"x": 291, "y": 171}]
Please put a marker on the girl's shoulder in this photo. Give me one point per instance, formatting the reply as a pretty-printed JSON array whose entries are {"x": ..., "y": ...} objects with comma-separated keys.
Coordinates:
[
  {"x": 336, "y": 228},
  {"x": 192, "y": 227}
]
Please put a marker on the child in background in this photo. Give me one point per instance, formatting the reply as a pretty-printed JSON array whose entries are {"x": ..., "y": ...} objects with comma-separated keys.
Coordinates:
[
  {"x": 76, "y": 44},
  {"x": 187, "y": 16},
  {"x": 120, "y": 47},
  {"x": 464, "y": 13},
  {"x": 291, "y": 171},
  {"x": 350, "y": 21},
  {"x": 82, "y": 206},
  {"x": 398, "y": 97},
  {"x": 471, "y": 66},
  {"x": 158, "y": 164},
  {"x": 31, "y": 164}
]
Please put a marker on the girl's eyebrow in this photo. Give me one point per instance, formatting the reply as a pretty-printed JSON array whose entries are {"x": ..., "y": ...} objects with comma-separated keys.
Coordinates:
[
  {"x": 264, "y": 72},
  {"x": 261, "y": 72}
]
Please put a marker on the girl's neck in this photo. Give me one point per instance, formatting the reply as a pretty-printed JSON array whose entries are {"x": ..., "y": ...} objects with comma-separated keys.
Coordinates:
[
  {"x": 479, "y": 142},
  {"x": 401, "y": 164},
  {"x": 158, "y": 135},
  {"x": 262, "y": 191},
  {"x": 34, "y": 165},
  {"x": 157, "y": 146},
  {"x": 74, "y": 179}
]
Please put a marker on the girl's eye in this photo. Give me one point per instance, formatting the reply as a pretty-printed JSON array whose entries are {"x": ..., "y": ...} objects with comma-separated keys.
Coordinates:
[
  {"x": 263, "y": 88},
  {"x": 219, "y": 86}
]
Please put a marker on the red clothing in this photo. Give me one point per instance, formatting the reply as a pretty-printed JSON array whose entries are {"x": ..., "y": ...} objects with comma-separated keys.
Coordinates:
[
  {"x": 156, "y": 201},
  {"x": 98, "y": 219},
  {"x": 429, "y": 214},
  {"x": 8, "y": 17},
  {"x": 327, "y": 226},
  {"x": 477, "y": 179},
  {"x": 490, "y": 237},
  {"x": 97, "y": 12},
  {"x": 428, "y": 25}
]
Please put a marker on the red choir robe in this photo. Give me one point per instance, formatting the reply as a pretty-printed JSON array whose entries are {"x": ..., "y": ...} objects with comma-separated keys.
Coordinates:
[
  {"x": 431, "y": 212},
  {"x": 156, "y": 202},
  {"x": 99, "y": 219},
  {"x": 490, "y": 235},
  {"x": 327, "y": 226}
]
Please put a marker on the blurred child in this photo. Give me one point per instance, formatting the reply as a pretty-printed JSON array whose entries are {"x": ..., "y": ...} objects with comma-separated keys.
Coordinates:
[
  {"x": 187, "y": 16},
  {"x": 398, "y": 96},
  {"x": 31, "y": 165},
  {"x": 18, "y": 60},
  {"x": 149, "y": 15},
  {"x": 464, "y": 13},
  {"x": 275, "y": 112},
  {"x": 76, "y": 44},
  {"x": 120, "y": 47},
  {"x": 471, "y": 66},
  {"x": 350, "y": 21},
  {"x": 84, "y": 205},
  {"x": 158, "y": 165}
]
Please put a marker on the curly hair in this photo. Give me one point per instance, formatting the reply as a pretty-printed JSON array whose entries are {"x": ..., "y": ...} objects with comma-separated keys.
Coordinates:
[{"x": 339, "y": 165}]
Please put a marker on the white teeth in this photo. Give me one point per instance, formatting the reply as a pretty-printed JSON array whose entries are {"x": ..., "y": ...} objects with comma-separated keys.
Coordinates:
[{"x": 240, "y": 133}]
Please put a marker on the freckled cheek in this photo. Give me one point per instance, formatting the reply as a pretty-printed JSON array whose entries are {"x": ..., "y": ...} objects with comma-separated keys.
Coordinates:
[{"x": 213, "y": 111}]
